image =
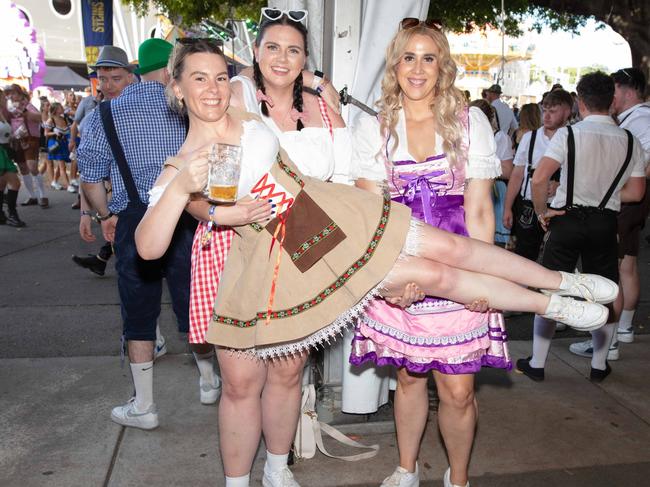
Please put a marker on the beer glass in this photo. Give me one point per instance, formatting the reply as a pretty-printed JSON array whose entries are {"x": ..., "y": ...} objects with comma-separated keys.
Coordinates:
[{"x": 223, "y": 176}]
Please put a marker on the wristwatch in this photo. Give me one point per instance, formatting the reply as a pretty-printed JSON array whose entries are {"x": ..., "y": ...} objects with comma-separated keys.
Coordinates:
[{"x": 98, "y": 218}]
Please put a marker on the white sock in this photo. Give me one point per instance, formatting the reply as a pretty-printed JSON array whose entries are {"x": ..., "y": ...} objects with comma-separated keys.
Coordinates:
[
  {"x": 28, "y": 184},
  {"x": 601, "y": 339},
  {"x": 40, "y": 186},
  {"x": 238, "y": 481},
  {"x": 614, "y": 336},
  {"x": 205, "y": 363},
  {"x": 544, "y": 329},
  {"x": 275, "y": 462},
  {"x": 143, "y": 382},
  {"x": 159, "y": 337},
  {"x": 625, "y": 322}
]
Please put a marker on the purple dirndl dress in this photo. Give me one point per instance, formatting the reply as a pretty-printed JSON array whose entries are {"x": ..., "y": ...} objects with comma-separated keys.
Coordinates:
[{"x": 435, "y": 333}]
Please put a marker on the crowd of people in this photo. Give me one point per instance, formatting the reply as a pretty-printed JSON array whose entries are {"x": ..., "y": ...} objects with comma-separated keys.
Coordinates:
[{"x": 373, "y": 219}]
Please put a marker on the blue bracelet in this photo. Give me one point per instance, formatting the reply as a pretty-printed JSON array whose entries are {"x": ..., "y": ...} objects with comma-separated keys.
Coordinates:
[{"x": 211, "y": 214}]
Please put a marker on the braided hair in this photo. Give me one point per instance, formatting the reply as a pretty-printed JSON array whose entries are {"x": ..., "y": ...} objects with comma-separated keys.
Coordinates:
[{"x": 257, "y": 72}]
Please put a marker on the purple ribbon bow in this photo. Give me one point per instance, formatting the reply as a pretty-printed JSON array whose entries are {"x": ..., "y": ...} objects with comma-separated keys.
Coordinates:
[{"x": 427, "y": 189}]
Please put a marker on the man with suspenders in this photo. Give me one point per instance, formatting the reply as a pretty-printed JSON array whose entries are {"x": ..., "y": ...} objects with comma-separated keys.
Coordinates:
[
  {"x": 634, "y": 115},
  {"x": 601, "y": 165},
  {"x": 519, "y": 213}
]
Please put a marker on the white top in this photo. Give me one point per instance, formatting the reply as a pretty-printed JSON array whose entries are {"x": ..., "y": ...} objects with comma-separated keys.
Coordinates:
[
  {"x": 368, "y": 142},
  {"x": 311, "y": 149},
  {"x": 521, "y": 157},
  {"x": 507, "y": 120},
  {"x": 637, "y": 120},
  {"x": 601, "y": 147},
  {"x": 504, "y": 146},
  {"x": 259, "y": 150}
]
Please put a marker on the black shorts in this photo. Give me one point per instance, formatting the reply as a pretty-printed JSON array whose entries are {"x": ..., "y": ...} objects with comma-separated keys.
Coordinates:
[
  {"x": 631, "y": 220},
  {"x": 526, "y": 227},
  {"x": 586, "y": 234},
  {"x": 140, "y": 281}
]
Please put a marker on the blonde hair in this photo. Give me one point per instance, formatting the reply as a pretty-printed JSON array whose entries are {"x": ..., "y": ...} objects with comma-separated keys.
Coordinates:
[
  {"x": 448, "y": 101},
  {"x": 530, "y": 117}
]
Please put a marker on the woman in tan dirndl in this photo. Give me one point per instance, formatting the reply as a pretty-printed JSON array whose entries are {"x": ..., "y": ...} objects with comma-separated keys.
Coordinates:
[{"x": 309, "y": 263}]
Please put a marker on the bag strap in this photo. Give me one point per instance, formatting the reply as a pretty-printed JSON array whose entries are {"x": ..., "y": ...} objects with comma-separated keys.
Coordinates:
[
  {"x": 626, "y": 163},
  {"x": 118, "y": 152},
  {"x": 571, "y": 161},
  {"x": 529, "y": 163}
]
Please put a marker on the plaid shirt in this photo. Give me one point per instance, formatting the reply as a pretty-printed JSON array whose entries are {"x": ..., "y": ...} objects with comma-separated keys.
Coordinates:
[{"x": 149, "y": 133}]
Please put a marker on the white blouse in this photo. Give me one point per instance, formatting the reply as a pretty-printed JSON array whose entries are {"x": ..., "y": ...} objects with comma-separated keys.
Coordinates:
[
  {"x": 368, "y": 142},
  {"x": 313, "y": 149}
]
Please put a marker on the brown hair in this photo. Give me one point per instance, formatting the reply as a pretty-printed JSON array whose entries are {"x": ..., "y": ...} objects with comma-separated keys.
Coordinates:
[
  {"x": 558, "y": 97},
  {"x": 530, "y": 117}
]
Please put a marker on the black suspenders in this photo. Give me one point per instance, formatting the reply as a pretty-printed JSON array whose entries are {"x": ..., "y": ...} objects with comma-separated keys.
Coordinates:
[
  {"x": 571, "y": 161},
  {"x": 529, "y": 164}
]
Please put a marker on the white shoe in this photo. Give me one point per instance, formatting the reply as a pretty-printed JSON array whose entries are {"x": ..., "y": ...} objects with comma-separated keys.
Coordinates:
[
  {"x": 591, "y": 287},
  {"x": 580, "y": 315},
  {"x": 279, "y": 478},
  {"x": 71, "y": 189},
  {"x": 128, "y": 415},
  {"x": 160, "y": 348},
  {"x": 402, "y": 478},
  {"x": 447, "y": 480},
  {"x": 586, "y": 349},
  {"x": 209, "y": 393},
  {"x": 625, "y": 335},
  {"x": 74, "y": 182},
  {"x": 56, "y": 185}
]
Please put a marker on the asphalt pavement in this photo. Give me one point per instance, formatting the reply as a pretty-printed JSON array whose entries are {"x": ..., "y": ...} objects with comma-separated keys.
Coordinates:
[{"x": 60, "y": 375}]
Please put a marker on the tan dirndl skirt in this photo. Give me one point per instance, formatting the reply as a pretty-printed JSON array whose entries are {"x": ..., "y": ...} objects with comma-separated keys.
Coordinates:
[{"x": 315, "y": 298}]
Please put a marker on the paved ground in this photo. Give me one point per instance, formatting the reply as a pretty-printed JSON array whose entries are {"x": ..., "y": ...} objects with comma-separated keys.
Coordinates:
[{"x": 60, "y": 375}]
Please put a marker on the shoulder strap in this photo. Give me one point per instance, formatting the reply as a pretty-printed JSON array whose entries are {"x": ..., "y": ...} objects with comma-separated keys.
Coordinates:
[
  {"x": 118, "y": 152},
  {"x": 571, "y": 166},
  {"x": 325, "y": 116},
  {"x": 628, "y": 158},
  {"x": 529, "y": 164}
]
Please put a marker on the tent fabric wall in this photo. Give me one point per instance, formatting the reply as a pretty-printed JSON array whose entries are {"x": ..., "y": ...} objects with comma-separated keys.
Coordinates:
[{"x": 62, "y": 78}]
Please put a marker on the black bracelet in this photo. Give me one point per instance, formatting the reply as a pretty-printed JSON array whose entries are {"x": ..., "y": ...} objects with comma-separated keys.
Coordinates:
[{"x": 319, "y": 74}]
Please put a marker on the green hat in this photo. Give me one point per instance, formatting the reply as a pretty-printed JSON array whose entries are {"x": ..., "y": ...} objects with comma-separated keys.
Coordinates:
[{"x": 153, "y": 54}]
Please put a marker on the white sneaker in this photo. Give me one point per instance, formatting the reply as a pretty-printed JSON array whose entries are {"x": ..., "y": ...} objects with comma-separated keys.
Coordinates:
[
  {"x": 402, "y": 478},
  {"x": 625, "y": 335},
  {"x": 128, "y": 415},
  {"x": 447, "y": 480},
  {"x": 580, "y": 315},
  {"x": 56, "y": 185},
  {"x": 591, "y": 287},
  {"x": 160, "y": 348},
  {"x": 74, "y": 182},
  {"x": 209, "y": 393},
  {"x": 586, "y": 349},
  {"x": 279, "y": 478},
  {"x": 71, "y": 189}
]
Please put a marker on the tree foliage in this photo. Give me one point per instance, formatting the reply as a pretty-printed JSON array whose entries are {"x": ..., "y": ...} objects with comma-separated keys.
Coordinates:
[{"x": 189, "y": 12}]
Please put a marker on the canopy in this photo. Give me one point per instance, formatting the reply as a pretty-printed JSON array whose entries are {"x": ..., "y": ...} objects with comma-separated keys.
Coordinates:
[{"x": 62, "y": 77}]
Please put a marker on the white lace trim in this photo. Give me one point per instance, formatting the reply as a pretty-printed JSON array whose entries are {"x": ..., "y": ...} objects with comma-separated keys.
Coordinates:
[
  {"x": 438, "y": 306},
  {"x": 483, "y": 167},
  {"x": 326, "y": 334},
  {"x": 430, "y": 340}
]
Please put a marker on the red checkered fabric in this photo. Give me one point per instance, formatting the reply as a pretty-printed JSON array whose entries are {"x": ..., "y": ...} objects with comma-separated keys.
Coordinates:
[
  {"x": 207, "y": 265},
  {"x": 326, "y": 118}
]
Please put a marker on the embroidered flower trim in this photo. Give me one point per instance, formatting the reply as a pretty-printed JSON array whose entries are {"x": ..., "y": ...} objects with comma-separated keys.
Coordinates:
[
  {"x": 328, "y": 291},
  {"x": 316, "y": 239}
]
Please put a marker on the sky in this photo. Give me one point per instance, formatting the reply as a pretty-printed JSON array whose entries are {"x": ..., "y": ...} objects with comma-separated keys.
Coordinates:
[{"x": 592, "y": 46}]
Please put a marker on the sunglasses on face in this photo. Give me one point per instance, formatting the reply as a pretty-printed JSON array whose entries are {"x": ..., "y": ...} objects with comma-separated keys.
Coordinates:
[
  {"x": 411, "y": 22},
  {"x": 271, "y": 14}
]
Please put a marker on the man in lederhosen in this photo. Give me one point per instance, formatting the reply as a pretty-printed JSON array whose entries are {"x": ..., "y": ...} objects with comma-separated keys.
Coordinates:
[
  {"x": 634, "y": 115},
  {"x": 601, "y": 165}
]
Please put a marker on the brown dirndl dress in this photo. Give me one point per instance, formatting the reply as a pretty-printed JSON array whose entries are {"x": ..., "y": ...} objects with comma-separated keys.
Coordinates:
[{"x": 339, "y": 244}]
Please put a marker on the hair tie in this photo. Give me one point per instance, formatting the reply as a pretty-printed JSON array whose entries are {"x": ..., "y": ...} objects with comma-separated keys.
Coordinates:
[{"x": 261, "y": 97}]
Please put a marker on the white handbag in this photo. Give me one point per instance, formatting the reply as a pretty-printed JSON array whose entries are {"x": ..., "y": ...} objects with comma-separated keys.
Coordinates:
[{"x": 309, "y": 433}]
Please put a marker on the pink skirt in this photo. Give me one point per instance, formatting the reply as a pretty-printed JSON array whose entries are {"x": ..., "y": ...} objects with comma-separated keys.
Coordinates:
[{"x": 435, "y": 334}]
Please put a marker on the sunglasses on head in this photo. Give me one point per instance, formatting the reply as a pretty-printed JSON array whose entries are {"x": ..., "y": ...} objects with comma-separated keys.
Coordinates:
[
  {"x": 271, "y": 14},
  {"x": 411, "y": 22}
]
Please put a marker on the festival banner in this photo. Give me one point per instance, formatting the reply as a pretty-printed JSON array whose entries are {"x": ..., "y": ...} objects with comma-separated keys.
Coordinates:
[{"x": 97, "y": 18}]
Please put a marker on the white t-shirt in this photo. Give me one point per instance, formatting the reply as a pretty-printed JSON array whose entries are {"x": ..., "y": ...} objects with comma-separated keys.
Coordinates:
[
  {"x": 504, "y": 146},
  {"x": 601, "y": 147},
  {"x": 507, "y": 120},
  {"x": 313, "y": 149},
  {"x": 637, "y": 120},
  {"x": 368, "y": 161},
  {"x": 521, "y": 157}
]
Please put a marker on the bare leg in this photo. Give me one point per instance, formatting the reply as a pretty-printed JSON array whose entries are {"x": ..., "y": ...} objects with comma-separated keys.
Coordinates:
[
  {"x": 411, "y": 411},
  {"x": 462, "y": 286},
  {"x": 630, "y": 284},
  {"x": 477, "y": 256},
  {"x": 457, "y": 415},
  {"x": 240, "y": 411},
  {"x": 64, "y": 173},
  {"x": 281, "y": 403}
]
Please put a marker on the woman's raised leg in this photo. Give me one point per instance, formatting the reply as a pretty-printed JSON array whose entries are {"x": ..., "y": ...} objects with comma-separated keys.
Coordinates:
[{"x": 240, "y": 411}]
